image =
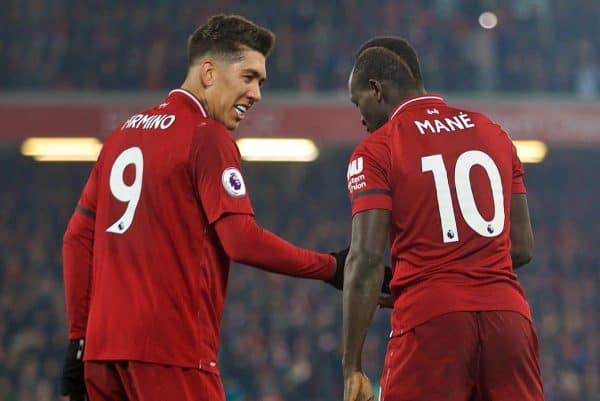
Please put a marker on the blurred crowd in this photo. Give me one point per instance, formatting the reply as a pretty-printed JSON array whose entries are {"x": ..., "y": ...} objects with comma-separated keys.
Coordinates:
[
  {"x": 537, "y": 45},
  {"x": 281, "y": 336}
]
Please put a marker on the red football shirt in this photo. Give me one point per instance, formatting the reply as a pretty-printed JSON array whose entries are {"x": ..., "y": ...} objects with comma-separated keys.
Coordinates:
[
  {"x": 447, "y": 176},
  {"x": 159, "y": 271}
]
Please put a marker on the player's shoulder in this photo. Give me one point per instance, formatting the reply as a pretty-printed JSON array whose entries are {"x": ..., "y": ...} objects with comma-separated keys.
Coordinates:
[
  {"x": 375, "y": 148},
  {"x": 208, "y": 130},
  {"x": 491, "y": 135},
  {"x": 468, "y": 117},
  {"x": 209, "y": 136},
  {"x": 478, "y": 119},
  {"x": 378, "y": 140}
]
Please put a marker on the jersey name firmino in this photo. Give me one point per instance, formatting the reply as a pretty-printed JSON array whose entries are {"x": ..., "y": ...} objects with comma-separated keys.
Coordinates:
[{"x": 144, "y": 121}]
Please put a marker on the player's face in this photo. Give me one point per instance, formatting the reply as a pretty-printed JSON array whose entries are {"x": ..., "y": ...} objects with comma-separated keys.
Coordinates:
[
  {"x": 373, "y": 112},
  {"x": 237, "y": 88}
]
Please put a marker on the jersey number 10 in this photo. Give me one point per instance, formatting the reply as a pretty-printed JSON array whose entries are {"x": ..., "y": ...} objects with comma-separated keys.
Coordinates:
[{"x": 464, "y": 194}]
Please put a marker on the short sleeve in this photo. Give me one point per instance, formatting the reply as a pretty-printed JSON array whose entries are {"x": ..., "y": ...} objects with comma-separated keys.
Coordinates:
[
  {"x": 216, "y": 164},
  {"x": 367, "y": 177},
  {"x": 518, "y": 186}
]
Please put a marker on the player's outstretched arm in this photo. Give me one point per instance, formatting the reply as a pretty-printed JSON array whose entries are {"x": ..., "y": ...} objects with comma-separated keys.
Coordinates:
[
  {"x": 364, "y": 276},
  {"x": 246, "y": 242},
  {"x": 521, "y": 234}
]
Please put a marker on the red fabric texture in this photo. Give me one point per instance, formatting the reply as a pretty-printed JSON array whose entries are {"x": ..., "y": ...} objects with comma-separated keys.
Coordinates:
[
  {"x": 138, "y": 381},
  {"x": 464, "y": 356}
]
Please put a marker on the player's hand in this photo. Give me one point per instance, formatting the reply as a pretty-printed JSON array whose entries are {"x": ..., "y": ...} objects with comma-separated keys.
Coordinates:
[
  {"x": 357, "y": 387},
  {"x": 385, "y": 298},
  {"x": 72, "y": 382},
  {"x": 338, "y": 278},
  {"x": 387, "y": 277},
  {"x": 340, "y": 260},
  {"x": 385, "y": 301}
]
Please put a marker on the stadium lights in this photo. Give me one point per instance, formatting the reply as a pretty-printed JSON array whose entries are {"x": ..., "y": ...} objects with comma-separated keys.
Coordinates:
[
  {"x": 278, "y": 149},
  {"x": 531, "y": 151},
  {"x": 252, "y": 149},
  {"x": 488, "y": 20},
  {"x": 65, "y": 158},
  {"x": 61, "y": 149}
]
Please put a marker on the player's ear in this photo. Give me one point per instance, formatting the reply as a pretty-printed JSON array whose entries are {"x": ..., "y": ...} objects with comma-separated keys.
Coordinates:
[
  {"x": 377, "y": 89},
  {"x": 207, "y": 71}
]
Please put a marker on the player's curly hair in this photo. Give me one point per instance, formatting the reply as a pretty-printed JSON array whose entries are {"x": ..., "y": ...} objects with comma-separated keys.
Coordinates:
[
  {"x": 228, "y": 35},
  {"x": 401, "y": 47},
  {"x": 383, "y": 64}
]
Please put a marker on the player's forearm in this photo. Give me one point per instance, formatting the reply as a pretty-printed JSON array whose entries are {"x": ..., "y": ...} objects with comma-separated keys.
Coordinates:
[
  {"x": 247, "y": 243},
  {"x": 521, "y": 251},
  {"x": 363, "y": 278},
  {"x": 521, "y": 234},
  {"x": 520, "y": 258},
  {"x": 77, "y": 272}
]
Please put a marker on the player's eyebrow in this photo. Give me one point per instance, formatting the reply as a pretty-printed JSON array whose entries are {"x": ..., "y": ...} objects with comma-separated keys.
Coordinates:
[{"x": 255, "y": 74}]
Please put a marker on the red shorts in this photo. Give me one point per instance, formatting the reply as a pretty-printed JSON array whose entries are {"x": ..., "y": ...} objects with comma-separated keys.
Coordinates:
[
  {"x": 464, "y": 356},
  {"x": 139, "y": 381}
]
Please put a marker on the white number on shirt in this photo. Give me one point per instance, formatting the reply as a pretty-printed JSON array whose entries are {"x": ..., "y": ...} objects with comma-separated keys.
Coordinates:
[
  {"x": 464, "y": 193},
  {"x": 122, "y": 191}
]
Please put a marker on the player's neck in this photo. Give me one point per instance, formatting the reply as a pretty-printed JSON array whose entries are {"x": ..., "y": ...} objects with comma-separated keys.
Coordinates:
[
  {"x": 402, "y": 96},
  {"x": 196, "y": 91}
]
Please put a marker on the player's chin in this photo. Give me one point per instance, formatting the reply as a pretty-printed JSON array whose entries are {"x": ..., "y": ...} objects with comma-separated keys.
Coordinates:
[
  {"x": 232, "y": 124},
  {"x": 369, "y": 126},
  {"x": 233, "y": 121}
]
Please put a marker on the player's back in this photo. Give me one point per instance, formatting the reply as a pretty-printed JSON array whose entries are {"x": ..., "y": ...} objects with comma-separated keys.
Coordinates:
[
  {"x": 156, "y": 295},
  {"x": 453, "y": 173}
]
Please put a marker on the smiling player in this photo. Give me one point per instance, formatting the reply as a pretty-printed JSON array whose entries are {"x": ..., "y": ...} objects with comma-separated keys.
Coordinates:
[{"x": 165, "y": 209}]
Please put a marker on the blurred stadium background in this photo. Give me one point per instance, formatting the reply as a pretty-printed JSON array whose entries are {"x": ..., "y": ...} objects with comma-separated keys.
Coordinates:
[{"x": 78, "y": 68}]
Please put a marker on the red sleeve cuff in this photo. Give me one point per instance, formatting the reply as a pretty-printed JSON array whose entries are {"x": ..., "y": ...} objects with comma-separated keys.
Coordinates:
[
  {"x": 518, "y": 188},
  {"x": 371, "y": 201}
]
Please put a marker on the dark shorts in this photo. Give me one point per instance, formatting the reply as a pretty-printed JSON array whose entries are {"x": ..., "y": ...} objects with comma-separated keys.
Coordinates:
[
  {"x": 139, "y": 381},
  {"x": 464, "y": 356}
]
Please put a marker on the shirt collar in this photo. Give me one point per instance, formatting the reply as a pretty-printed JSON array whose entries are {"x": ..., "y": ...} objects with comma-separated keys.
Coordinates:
[
  {"x": 420, "y": 99},
  {"x": 193, "y": 98}
]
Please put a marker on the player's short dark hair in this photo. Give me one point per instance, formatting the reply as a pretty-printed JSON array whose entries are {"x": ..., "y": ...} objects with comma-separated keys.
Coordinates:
[
  {"x": 382, "y": 64},
  {"x": 228, "y": 35},
  {"x": 401, "y": 47}
]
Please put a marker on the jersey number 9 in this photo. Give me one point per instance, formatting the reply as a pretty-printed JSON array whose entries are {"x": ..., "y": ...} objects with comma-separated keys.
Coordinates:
[{"x": 122, "y": 191}]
